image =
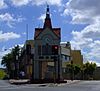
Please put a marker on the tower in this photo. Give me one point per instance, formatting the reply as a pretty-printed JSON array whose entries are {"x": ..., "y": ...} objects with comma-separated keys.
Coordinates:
[{"x": 47, "y": 49}]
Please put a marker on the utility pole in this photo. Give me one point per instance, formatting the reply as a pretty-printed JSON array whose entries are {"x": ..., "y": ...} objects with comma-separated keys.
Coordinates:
[{"x": 26, "y": 31}]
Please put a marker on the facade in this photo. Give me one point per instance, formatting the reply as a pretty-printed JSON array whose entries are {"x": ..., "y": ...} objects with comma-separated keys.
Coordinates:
[
  {"x": 47, "y": 49},
  {"x": 26, "y": 63},
  {"x": 70, "y": 56},
  {"x": 77, "y": 57},
  {"x": 45, "y": 56},
  {"x": 43, "y": 50}
]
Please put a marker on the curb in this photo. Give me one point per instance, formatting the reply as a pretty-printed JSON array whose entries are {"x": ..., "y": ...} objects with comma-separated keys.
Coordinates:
[{"x": 14, "y": 81}]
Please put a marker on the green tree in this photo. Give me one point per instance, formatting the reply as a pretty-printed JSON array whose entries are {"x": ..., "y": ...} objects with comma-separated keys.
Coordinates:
[
  {"x": 73, "y": 70},
  {"x": 89, "y": 68},
  {"x": 9, "y": 60},
  {"x": 77, "y": 69},
  {"x": 6, "y": 61}
]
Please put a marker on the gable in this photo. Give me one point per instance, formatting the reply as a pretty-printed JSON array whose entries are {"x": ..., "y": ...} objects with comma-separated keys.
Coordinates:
[
  {"x": 37, "y": 32},
  {"x": 47, "y": 31}
]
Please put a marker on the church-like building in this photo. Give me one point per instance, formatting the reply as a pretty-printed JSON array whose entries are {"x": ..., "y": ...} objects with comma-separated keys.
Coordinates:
[{"x": 44, "y": 57}]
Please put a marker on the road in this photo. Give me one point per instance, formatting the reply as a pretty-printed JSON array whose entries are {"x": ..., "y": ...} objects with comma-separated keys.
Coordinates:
[{"x": 78, "y": 86}]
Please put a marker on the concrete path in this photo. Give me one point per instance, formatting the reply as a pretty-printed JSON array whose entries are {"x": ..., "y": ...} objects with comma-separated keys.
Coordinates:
[
  {"x": 26, "y": 81},
  {"x": 20, "y": 81}
]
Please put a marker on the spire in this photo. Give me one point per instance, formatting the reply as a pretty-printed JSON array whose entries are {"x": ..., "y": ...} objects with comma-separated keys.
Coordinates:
[
  {"x": 47, "y": 12},
  {"x": 47, "y": 22}
]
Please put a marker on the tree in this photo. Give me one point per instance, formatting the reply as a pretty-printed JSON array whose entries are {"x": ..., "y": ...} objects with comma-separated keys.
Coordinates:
[
  {"x": 89, "y": 68},
  {"x": 85, "y": 71},
  {"x": 9, "y": 60},
  {"x": 77, "y": 69},
  {"x": 6, "y": 61},
  {"x": 73, "y": 70}
]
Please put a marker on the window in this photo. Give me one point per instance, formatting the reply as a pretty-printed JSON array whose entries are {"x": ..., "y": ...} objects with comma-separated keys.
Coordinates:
[
  {"x": 46, "y": 50},
  {"x": 28, "y": 49},
  {"x": 66, "y": 57},
  {"x": 43, "y": 50},
  {"x": 61, "y": 56},
  {"x": 39, "y": 50},
  {"x": 55, "y": 49}
]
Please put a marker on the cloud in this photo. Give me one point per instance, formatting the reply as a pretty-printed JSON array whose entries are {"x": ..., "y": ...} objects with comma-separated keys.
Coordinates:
[
  {"x": 42, "y": 17},
  {"x": 50, "y": 2},
  {"x": 3, "y": 5},
  {"x": 88, "y": 39},
  {"x": 36, "y": 2},
  {"x": 83, "y": 11},
  {"x": 9, "y": 19},
  {"x": 20, "y": 2},
  {"x": 8, "y": 36}
]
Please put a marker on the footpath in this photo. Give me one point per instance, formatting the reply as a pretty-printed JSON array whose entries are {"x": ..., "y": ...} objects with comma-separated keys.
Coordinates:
[
  {"x": 27, "y": 81},
  {"x": 19, "y": 81}
]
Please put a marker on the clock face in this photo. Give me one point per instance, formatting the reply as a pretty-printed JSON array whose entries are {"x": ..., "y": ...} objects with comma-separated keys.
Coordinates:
[{"x": 47, "y": 39}]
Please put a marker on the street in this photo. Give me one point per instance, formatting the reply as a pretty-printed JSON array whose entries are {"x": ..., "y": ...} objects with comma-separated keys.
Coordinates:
[{"x": 77, "y": 86}]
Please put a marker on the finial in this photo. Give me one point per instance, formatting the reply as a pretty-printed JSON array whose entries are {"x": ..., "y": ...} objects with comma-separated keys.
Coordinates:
[{"x": 47, "y": 12}]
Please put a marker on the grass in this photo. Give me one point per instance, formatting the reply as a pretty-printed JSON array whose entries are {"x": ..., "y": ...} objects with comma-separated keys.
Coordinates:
[{"x": 2, "y": 74}]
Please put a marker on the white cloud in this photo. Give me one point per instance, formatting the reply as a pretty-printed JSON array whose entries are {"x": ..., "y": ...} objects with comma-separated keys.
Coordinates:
[
  {"x": 8, "y": 36},
  {"x": 87, "y": 39},
  {"x": 36, "y": 2},
  {"x": 50, "y": 2},
  {"x": 83, "y": 11},
  {"x": 20, "y": 2},
  {"x": 9, "y": 19},
  {"x": 3, "y": 4},
  {"x": 42, "y": 17}
]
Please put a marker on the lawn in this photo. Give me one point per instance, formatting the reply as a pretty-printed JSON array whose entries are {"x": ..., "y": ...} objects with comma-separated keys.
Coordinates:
[{"x": 2, "y": 74}]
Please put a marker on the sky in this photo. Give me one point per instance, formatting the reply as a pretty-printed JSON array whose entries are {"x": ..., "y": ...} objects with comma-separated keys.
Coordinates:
[{"x": 79, "y": 21}]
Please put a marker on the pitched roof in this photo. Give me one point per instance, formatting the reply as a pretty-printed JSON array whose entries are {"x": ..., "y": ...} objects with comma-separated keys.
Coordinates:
[
  {"x": 47, "y": 24},
  {"x": 56, "y": 31},
  {"x": 37, "y": 31}
]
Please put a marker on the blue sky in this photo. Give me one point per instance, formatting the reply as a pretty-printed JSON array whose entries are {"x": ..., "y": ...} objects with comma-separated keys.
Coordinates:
[{"x": 79, "y": 21}]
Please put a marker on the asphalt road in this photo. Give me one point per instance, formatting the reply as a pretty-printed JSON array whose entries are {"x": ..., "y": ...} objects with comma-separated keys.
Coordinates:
[{"x": 78, "y": 86}]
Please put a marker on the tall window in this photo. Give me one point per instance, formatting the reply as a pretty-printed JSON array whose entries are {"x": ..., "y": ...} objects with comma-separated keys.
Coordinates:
[
  {"x": 46, "y": 49},
  {"x": 28, "y": 49},
  {"x": 66, "y": 57},
  {"x": 43, "y": 50},
  {"x": 39, "y": 50}
]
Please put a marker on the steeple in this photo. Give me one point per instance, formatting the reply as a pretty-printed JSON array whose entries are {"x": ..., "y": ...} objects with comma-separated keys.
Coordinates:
[{"x": 47, "y": 22}]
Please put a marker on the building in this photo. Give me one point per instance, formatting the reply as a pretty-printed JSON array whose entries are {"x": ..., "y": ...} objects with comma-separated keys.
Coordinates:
[
  {"x": 77, "y": 57},
  {"x": 44, "y": 49},
  {"x": 69, "y": 56},
  {"x": 44, "y": 57},
  {"x": 47, "y": 49}
]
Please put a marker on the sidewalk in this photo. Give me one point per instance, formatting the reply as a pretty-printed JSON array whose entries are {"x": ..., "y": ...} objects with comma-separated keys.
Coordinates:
[
  {"x": 69, "y": 82},
  {"x": 72, "y": 81},
  {"x": 20, "y": 81},
  {"x": 27, "y": 81},
  {"x": 60, "y": 84}
]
